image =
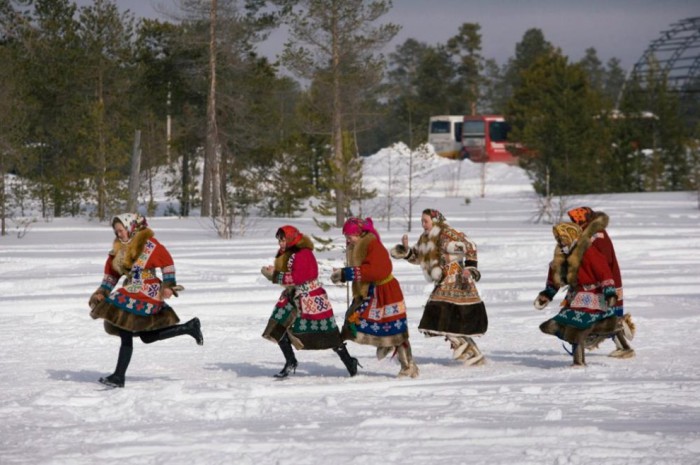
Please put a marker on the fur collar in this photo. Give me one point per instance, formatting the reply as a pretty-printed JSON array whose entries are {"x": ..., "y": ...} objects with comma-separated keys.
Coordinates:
[
  {"x": 125, "y": 254},
  {"x": 565, "y": 267},
  {"x": 357, "y": 253},
  {"x": 428, "y": 249},
  {"x": 598, "y": 224},
  {"x": 282, "y": 258}
]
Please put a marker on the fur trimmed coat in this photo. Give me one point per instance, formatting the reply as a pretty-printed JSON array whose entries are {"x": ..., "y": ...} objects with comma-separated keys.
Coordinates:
[
  {"x": 377, "y": 314},
  {"x": 303, "y": 309},
  {"x": 138, "y": 305},
  {"x": 454, "y": 307},
  {"x": 563, "y": 270},
  {"x": 586, "y": 273}
]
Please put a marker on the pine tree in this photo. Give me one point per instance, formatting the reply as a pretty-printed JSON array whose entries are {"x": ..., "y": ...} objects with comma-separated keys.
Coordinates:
[
  {"x": 555, "y": 115},
  {"x": 333, "y": 44}
]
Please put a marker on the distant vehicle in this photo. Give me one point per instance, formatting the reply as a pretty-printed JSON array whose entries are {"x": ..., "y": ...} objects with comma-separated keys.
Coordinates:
[
  {"x": 484, "y": 139},
  {"x": 445, "y": 135}
]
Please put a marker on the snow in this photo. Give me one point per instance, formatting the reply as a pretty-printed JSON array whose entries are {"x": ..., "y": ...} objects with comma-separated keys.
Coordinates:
[{"x": 215, "y": 404}]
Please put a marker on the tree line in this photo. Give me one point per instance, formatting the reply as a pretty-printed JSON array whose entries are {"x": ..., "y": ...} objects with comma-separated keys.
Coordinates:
[{"x": 234, "y": 131}]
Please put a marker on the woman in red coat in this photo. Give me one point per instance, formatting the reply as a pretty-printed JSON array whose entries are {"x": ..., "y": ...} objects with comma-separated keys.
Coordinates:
[
  {"x": 594, "y": 225},
  {"x": 590, "y": 302},
  {"x": 377, "y": 314},
  {"x": 303, "y": 316},
  {"x": 138, "y": 308}
]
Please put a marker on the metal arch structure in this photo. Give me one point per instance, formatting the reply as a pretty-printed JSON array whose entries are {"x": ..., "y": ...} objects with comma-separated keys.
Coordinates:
[{"x": 676, "y": 53}]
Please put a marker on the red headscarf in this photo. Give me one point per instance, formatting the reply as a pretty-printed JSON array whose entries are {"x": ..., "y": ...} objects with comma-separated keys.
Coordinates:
[{"x": 290, "y": 234}]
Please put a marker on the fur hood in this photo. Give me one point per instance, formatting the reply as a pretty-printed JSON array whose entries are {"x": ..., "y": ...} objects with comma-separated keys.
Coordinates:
[
  {"x": 565, "y": 267},
  {"x": 125, "y": 254},
  {"x": 282, "y": 258},
  {"x": 598, "y": 223}
]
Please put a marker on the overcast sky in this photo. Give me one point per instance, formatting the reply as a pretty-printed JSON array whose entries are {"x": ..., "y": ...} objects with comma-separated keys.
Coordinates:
[{"x": 621, "y": 29}]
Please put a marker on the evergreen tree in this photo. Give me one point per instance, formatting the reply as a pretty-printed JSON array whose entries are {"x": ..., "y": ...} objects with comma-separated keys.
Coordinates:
[
  {"x": 532, "y": 46},
  {"x": 555, "y": 115}
]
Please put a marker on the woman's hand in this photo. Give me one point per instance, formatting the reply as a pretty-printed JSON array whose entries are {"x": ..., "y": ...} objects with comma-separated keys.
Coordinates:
[
  {"x": 268, "y": 271},
  {"x": 167, "y": 293}
]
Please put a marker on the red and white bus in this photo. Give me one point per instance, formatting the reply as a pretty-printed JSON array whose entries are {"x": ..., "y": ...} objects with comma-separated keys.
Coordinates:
[{"x": 484, "y": 139}]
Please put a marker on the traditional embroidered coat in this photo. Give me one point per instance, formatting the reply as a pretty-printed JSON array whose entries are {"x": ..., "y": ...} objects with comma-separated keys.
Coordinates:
[
  {"x": 590, "y": 281},
  {"x": 377, "y": 314},
  {"x": 303, "y": 309},
  {"x": 454, "y": 307},
  {"x": 597, "y": 236},
  {"x": 138, "y": 305}
]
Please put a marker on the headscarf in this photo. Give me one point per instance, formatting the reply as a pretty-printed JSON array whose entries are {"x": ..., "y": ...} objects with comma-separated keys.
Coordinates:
[
  {"x": 358, "y": 226},
  {"x": 435, "y": 215},
  {"x": 581, "y": 215},
  {"x": 132, "y": 222},
  {"x": 290, "y": 234}
]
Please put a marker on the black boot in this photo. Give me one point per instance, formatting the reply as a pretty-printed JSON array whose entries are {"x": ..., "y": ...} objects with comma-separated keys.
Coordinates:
[
  {"x": 192, "y": 328},
  {"x": 350, "y": 363},
  {"x": 290, "y": 360},
  {"x": 117, "y": 378}
]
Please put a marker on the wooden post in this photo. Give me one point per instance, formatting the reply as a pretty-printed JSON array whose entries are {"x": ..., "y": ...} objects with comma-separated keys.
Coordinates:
[{"x": 134, "y": 180}]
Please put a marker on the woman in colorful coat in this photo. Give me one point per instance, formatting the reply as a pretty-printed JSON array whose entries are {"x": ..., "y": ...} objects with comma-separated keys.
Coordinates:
[
  {"x": 303, "y": 316},
  {"x": 377, "y": 314},
  {"x": 590, "y": 302},
  {"x": 454, "y": 309},
  {"x": 138, "y": 308},
  {"x": 593, "y": 225}
]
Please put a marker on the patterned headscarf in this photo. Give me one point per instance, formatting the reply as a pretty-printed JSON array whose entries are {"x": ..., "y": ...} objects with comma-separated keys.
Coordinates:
[
  {"x": 291, "y": 235},
  {"x": 581, "y": 216},
  {"x": 435, "y": 215},
  {"x": 566, "y": 234},
  {"x": 132, "y": 222},
  {"x": 357, "y": 226}
]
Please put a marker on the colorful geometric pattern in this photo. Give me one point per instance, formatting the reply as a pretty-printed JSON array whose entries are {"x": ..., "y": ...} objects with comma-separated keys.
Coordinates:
[
  {"x": 389, "y": 320},
  {"x": 581, "y": 319},
  {"x": 131, "y": 305},
  {"x": 285, "y": 310}
]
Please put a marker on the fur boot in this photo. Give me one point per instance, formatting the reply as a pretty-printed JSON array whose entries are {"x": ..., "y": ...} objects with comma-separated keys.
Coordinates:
[
  {"x": 623, "y": 350},
  {"x": 471, "y": 354},
  {"x": 383, "y": 352},
  {"x": 408, "y": 366}
]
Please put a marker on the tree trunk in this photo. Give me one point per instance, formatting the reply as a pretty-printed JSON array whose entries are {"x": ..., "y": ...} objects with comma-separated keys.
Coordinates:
[
  {"x": 211, "y": 182},
  {"x": 134, "y": 178},
  {"x": 337, "y": 131}
]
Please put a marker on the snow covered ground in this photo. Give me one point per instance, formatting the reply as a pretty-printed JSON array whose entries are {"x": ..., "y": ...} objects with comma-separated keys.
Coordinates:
[{"x": 185, "y": 404}]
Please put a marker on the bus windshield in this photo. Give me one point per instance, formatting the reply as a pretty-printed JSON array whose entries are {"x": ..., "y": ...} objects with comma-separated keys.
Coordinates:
[
  {"x": 473, "y": 129},
  {"x": 498, "y": 130},
  {"x": 439, "y": 127}
]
